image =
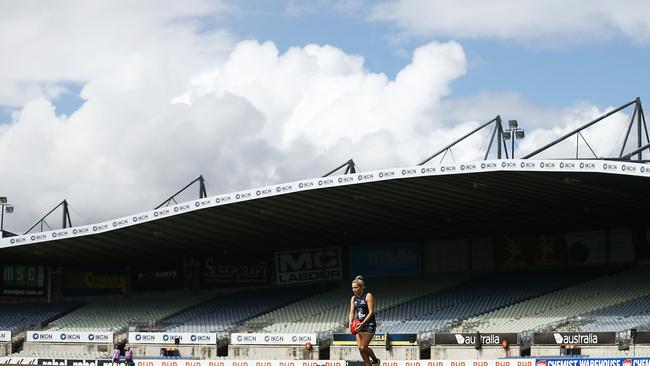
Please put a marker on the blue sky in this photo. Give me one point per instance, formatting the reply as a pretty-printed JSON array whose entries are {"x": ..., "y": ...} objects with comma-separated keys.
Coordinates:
[
  {"x": 133, "y": 100},
  {"x": 554, "y": 74}
]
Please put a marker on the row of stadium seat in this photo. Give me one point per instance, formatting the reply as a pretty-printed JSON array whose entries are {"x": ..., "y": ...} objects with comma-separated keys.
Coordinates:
[
  {"x": 16, "y": 316},
  {"x": 118, "y": 313},
  {"x": 633, "y": 314},
  {"x": 519, "y": 303},
  {"x": 328, "y": 312},
  {"x": 559, "y": 306},
  {"x": 223, "y": 313},
  {"x": 440, "y": 310}
]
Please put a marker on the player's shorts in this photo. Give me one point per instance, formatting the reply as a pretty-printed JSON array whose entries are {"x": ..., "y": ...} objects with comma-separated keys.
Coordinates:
[{"x": 368, "y": 328}]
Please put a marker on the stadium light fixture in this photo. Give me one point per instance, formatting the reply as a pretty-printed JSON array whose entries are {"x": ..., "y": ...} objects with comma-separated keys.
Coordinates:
[
  {"x": 519, "y": 134},
  {"x": 4, "y": 207},
  {"x": 513, "y": 132}
]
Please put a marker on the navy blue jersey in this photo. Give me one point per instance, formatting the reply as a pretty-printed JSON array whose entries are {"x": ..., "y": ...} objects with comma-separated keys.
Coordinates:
[{"x": 361, "y": 309}]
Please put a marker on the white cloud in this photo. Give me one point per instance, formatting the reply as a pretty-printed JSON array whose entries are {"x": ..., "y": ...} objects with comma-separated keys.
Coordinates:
[
  {"x": 550, "y": 22},
  {"x": 44, "y": 43},
  {"x": 164, "y": 103}
]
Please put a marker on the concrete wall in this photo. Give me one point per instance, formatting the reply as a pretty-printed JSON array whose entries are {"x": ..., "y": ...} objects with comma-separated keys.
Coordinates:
[
  {"x": 153, "y": 350},
  {"x": 351, "y": 353},
  {"x": 5, "y": 349},
  {"x": 469, "y": 352},
  {"x": 261, "y": 352},
  {"x": 45, "y": 348}
]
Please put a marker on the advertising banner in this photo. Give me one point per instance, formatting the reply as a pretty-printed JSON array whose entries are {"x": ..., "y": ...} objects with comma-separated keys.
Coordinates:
[
  {"x": 170, "y": 338},
  {"x": 486, "y": 339},
  {"x": 235, "y": 270},
  {"x": 587, "y": 247},
  {"x": 577, "y": 338},
  {"x": 380, "y": 339},
  {"x": 69, "y": 337},
  {"x": 592, "y": 361},
  {"x": 475, "y": 362},
  {"x": 308, "y": 265},
  {"x": 273, "y": 338},
  {"x": 23, "y": 281},
  {"x": 94, "y": 281},
  {"x": 222, "y": 362},
  {"x": 156, "y": 277},
  {"x": 5, "y": 336},
  {"x": 642, "y": 337},
  {"x": 386, "y": 259},
  {"x": 530, "y": 251}
]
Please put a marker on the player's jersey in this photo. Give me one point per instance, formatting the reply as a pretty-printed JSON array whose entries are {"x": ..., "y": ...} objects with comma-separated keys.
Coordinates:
[{"x": 361, "y": 309}]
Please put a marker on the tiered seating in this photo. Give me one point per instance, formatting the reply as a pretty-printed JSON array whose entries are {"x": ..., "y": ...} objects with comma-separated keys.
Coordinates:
[
  {"x": 17, "y": 316},
  {"x": 63, "y": 355},
  {"x": 224, "y": 313},
  {"x": 328, "y": 312},
  {"x": 558, "y": 306},
  {"x": 441, "y": 310},
  {"x": 628, "y": 315},
  {"x": 113, "y": 314}
]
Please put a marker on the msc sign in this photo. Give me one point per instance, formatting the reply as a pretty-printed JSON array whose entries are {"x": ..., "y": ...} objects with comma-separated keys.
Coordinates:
[{"x": 308, "y": 265}]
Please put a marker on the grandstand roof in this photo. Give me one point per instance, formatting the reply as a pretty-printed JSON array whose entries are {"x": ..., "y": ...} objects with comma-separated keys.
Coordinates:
[{"x": 391, "y": 205}]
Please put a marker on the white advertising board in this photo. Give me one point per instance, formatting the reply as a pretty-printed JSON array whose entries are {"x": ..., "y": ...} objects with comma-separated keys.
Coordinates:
[
  {"x": 69, "y": 337},
  {"x": 170, "y": 338},
  {"x": 272, "y": 338}
]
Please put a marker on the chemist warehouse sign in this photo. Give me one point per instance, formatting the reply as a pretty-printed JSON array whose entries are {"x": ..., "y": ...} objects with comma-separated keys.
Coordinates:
[
  {"x": 69, "y": 337},
  {"x": 593, "y": 362}
]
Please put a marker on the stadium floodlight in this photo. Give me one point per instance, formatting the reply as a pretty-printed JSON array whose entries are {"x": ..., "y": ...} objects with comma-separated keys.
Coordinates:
[
  {"x": 513, "y": 132},
  {"x": 4, "y": 207}
]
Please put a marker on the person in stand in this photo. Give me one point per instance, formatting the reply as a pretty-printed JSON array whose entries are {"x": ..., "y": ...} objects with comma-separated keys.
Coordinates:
[
  {"x": 116, "y": 356},
  {"x": 362, "y": 307},
  {"x": 128, "y": 356}
]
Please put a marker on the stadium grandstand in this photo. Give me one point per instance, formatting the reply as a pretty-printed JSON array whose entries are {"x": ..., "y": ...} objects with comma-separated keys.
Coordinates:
[{"x": 535, "y": 247}]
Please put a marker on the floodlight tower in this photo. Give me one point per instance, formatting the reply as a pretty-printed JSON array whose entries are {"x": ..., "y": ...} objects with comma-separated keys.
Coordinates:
[
  {"x": 4, "y": 207},
  {"x": 513, "y": 132}
]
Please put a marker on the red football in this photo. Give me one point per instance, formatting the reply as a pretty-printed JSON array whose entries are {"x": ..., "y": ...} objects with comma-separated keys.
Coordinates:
[{"x": 354, "y": 326}]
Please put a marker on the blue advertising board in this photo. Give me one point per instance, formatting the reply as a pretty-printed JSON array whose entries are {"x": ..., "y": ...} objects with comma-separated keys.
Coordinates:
[{"x": 386, "y": 259}]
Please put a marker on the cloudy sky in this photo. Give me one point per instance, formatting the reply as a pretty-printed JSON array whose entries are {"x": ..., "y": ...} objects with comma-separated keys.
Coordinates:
[{"x": 115, "y": 105}]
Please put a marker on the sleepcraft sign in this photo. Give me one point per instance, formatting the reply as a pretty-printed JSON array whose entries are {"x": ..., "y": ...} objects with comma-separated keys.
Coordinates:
[
  {"x": 272, "y": 338},
  {"x": 170, "y": 338},
  {"x": 578, "y": 338},
  {"x": 308, "y": 265},
  {"x": 69, "y": 337}
]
